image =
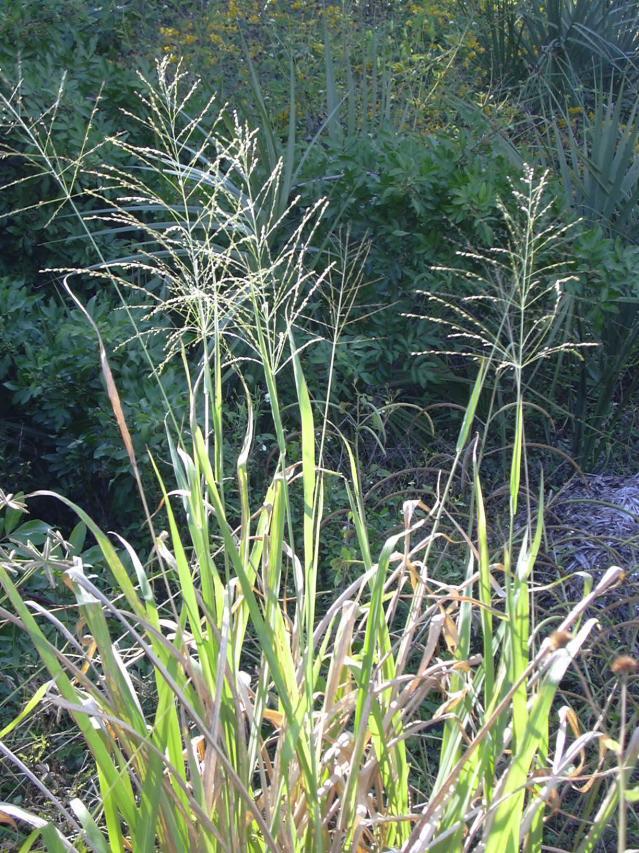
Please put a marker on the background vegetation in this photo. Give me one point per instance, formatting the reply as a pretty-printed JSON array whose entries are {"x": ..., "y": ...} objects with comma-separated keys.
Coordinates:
[{"x": 299, "y": 246}]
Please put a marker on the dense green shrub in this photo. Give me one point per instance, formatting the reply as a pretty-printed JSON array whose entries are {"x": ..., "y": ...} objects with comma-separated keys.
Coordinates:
[
  {"x": 68, "y": 61},
  {"x": 605, "y": 311},
  {"x": 420, "y": 201},
  {"x": 417, "y": 199},
  {"x": 57, "y": 425}
]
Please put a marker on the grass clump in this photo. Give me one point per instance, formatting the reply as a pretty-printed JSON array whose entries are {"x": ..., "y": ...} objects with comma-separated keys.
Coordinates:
[{"x": 224, "y": 708}]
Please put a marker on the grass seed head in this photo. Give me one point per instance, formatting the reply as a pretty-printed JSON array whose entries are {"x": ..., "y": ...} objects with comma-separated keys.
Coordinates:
[{"x": 625, "y": 665}]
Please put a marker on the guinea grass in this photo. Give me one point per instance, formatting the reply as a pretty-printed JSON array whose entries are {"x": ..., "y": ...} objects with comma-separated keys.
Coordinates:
[{"x": 223, "y": 709}]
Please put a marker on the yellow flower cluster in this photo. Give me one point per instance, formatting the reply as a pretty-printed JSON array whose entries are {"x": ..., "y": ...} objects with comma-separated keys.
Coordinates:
[
  {"x": 220, "y": 27},
  {"x": 215, "y": 43},
  {"x": 439, "y": 10}
]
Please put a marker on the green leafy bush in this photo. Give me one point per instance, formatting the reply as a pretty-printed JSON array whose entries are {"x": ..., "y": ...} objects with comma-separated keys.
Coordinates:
[
  {"x": 57, "y": 426},
  {"x": 68, "y": 61},
  {"x": 604, "y": 311},
  {"x": 416, "y": 199}
]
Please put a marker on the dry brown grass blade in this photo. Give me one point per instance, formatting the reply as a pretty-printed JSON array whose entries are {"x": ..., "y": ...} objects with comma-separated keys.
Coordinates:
[
  {"x": 116, "y": 405},
  {"x": 541, "y": 660}
]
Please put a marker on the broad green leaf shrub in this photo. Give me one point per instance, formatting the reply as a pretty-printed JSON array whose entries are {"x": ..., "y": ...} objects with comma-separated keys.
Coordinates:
[
  {"x": 421, "y": 202},
  {"x": 57, "y": 426},
  {"x": 605, "y": 310},
  {"x": 67, "y": 62},
  {"x": 48, "y": 26},
  {"x": 417, "y": 199}
]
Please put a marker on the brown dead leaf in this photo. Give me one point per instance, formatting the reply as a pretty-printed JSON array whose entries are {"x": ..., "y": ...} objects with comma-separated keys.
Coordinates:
[
  {"x": 276, "y": 718},
  {"x": 6, "y": 818},
  {"x": 451, "y": 635}
]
